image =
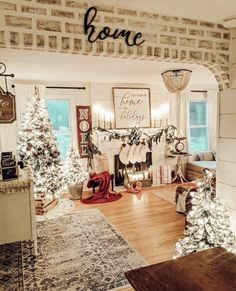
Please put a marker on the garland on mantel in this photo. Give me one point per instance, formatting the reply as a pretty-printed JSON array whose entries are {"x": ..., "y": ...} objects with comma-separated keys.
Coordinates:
[{"x": 133, "y": 136}]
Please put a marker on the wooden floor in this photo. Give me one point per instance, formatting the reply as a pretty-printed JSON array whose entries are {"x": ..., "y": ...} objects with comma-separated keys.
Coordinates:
[{"x": 150, "y": 224}]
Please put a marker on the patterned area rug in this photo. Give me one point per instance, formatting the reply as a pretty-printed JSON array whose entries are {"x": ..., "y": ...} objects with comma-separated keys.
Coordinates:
[
  {"x": 64, "y": 206},
  {"x": 11, "y": 267},
  {"x": 79, "y": 251}
]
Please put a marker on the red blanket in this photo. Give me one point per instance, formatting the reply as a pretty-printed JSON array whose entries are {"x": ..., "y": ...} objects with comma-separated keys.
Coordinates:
[{"x": 103, "y": 193}]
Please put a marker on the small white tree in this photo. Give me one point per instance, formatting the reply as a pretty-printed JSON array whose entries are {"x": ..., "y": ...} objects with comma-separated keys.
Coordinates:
[
  {"x": 74, "y": 170},
  {"x": 208, "y": 221}
]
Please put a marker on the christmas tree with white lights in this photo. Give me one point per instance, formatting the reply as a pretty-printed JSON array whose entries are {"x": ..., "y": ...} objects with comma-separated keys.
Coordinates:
[
  {"x": 208, "y": 221},
  {"x": 75, "y": 172},
  {"x": 37, "y": 148}
]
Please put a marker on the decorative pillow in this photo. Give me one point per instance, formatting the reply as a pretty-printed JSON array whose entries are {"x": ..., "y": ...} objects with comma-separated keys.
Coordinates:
[
  {"x": 214, "y": 155},
  {"x": 100, "y": 163},
  {"x": 201, "y": 157},
  {"x": 208, "y": 156}
]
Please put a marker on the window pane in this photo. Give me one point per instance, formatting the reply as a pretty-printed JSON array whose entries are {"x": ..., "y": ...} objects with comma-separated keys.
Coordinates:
[
  {"x": 198, "y": 113},
  {"x": 198, "y": 139},
  {"x": 59, "y": 114}
]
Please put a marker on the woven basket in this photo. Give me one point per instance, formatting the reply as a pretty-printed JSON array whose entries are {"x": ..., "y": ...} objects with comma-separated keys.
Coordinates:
[{"x": 75, "y": 191}]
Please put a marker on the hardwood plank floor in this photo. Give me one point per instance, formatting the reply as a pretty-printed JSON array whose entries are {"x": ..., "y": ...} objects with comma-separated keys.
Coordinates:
[{"x": 150, "y": 224}]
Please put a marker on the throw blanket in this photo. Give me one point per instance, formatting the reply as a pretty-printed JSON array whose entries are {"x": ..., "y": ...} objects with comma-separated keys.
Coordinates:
[{"x": 103, "y": 193}]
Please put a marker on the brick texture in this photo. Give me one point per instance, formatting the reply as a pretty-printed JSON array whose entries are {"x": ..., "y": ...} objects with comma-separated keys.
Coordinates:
[
  {"x": 7, "y": 6},
  {"x": 34, "y": 10},
  {"x": 57, "y": 25},
  {"x": 49, "y": 25},
  {"x": 15, "y": 21}
]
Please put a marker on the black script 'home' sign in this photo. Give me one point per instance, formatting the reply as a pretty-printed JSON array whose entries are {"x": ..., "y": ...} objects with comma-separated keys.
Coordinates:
[{"x": 106, "y": 31}]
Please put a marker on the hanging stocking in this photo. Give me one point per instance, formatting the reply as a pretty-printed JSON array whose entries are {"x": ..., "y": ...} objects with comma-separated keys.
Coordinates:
[
  {"x": 136, "y": 155},
  {"x": 123, "y": 156},
  {"x": 131, "y": 154},
  {"x": 143, "y": 152}
]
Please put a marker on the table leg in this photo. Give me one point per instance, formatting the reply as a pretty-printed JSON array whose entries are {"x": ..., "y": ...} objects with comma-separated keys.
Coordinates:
[
  {"x": 35, "y": 250},
  {"x": 179, "y": 173}
]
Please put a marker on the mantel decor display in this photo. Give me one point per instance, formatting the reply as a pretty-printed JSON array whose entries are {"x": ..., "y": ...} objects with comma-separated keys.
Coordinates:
[
  {"x": 132, "y": 107},
  {"x": 132, "y": 136}
]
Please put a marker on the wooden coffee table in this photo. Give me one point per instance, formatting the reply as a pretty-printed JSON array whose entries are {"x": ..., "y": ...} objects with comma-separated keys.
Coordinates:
[{"x": 210, "y": 270}]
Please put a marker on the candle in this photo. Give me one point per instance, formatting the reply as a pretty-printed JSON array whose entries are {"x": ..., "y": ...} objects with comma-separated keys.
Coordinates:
[
  {"x": 98, "y": 123},
  {"x": 97, "y": 109}
]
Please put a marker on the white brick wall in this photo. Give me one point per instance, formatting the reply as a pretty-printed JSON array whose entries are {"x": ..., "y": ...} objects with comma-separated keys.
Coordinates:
[{"x": 57, "y": 25}]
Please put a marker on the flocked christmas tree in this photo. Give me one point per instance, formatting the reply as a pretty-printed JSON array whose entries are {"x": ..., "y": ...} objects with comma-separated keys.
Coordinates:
[
  {"x": 75, "y": 172},
  {"x": 37, "y": 147},
  {"x": 208, "y": 221}
]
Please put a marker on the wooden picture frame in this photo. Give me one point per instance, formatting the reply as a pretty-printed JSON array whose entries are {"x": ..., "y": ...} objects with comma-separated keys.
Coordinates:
[
  {"x": 7, "y": 107},
  {"x": 131, "y": 107}
]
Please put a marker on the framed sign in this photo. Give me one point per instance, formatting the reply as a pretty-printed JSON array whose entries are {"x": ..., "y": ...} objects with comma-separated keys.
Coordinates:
[
  {"x": 132, "y": 107},
  {"x": 84, "y": 125},
  {"x": 7, "y": 107}
]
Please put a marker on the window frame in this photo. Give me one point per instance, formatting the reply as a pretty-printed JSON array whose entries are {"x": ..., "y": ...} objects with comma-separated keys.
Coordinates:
[
  {"x": 198, "y": 126},
  {"x": 59, "y": 98}
]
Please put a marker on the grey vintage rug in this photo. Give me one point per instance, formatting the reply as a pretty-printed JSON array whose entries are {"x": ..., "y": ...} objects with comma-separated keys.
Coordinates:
[{"x": 79, "y": 251}]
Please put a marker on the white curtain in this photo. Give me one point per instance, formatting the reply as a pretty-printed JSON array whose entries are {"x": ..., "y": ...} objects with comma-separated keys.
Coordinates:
[
  {"x": 179, "y": 115},
  {"x": 184, "y": 115},
  {"x": 175, "y": 101},
  {"x": 23, "y": 95},
  {"x": 212, "y": 97}
]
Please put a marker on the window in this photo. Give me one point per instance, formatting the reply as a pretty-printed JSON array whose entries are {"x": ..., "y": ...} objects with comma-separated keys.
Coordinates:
[
  {"x": 198, "y": 115},
  {"x": 59, "y": 114}
]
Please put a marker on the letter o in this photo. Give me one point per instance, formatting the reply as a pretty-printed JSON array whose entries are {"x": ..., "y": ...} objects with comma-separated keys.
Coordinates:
[{"x": 84, "y": 125}]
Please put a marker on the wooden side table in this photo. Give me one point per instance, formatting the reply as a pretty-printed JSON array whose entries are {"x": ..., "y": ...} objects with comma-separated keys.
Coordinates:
[
  {"x": 212, "y": 269},
  {"x": 179, "y": 172},
  {"x": 17, "y": 211}
]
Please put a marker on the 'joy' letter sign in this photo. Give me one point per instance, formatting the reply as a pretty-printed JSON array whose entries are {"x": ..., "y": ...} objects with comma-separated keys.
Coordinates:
[{"x": 89, "y": 30}]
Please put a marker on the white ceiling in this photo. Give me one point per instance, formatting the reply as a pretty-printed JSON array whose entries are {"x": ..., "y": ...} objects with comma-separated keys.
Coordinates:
[
  {"x": 212, "y": 10},
  {"x": 66, "y": 68}
]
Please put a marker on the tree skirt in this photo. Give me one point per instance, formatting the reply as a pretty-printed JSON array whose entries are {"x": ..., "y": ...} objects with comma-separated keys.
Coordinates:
[
  {"x": 64, "y": 206},
  {"x": 79, "y": 251}
]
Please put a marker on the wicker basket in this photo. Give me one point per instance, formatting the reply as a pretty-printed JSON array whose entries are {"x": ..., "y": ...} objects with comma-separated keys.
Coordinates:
[{"x": 75, "y": 191}]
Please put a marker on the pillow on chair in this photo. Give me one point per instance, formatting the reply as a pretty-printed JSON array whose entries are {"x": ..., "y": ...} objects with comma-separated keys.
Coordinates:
[
  {"x": 100, "y": 163},
  {"x": 208, "y": 156}
]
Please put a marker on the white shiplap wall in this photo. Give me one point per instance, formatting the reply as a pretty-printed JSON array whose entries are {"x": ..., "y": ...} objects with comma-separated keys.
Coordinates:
[{"x": 226, "y": 167}]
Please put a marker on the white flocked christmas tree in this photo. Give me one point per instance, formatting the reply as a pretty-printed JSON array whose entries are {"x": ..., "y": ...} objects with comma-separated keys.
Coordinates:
[
  {"x": 37, "y": 148},
  {"x": 208, "y": 221},
  {"x": 75, "y": 171}
]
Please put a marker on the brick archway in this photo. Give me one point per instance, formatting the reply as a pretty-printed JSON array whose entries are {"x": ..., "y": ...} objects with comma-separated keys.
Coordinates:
[{"x": 57, "y": 26}]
